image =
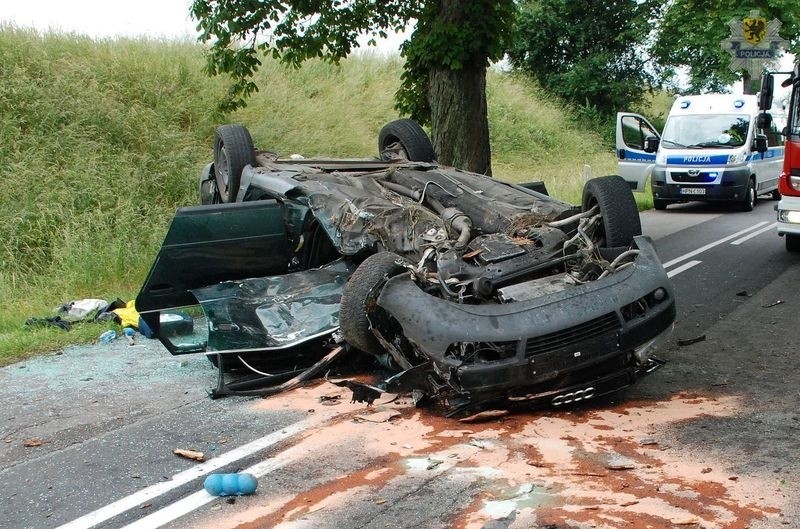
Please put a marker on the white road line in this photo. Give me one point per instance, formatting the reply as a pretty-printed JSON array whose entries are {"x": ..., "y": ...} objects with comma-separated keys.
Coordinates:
[
  {"x": 198, "y": 499},
  {"x": 712, "y": 244},
  {"x": 754, "y": 234},
  {"x": 138, "y": 498},
  {"x": 683, "y": 268}
]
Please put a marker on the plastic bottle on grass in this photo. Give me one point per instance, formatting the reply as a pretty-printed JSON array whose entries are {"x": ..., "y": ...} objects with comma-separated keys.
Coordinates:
[
  {"x": 238, "y": 484},
  {"x": 108, "y": 337}
]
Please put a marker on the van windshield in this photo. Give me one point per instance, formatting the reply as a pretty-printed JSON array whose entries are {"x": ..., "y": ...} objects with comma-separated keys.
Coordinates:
[{"x": 705, "y": 131}]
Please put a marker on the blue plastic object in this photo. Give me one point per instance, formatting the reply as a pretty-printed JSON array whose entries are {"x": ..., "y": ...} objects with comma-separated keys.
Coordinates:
[
  {"x": 129, "y": 334},
  {"x": 238, "y": 484},
  {"x": 108, "y": 337}
]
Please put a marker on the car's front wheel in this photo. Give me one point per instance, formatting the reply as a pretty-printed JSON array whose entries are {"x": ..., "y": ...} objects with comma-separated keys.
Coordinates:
[
  {"x": 359, "y": 294},
  {"x": 792, "y": 242},
  {"x": 233, "y": 150},
  {"x": 618, "y": 208}
]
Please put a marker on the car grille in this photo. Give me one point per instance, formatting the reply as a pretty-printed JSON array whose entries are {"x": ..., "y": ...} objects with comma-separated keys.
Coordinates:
[
  {"x": 573, "y": 336},
  {"x": 686, "y": 177}
]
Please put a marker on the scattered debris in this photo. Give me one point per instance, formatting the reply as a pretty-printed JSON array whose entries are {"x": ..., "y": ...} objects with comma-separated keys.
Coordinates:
[
  {"x": 743, "y": 294},
  {"x": 190, "y": 454},
  {"x": 484, "y": 416},
  {"x": 330, "y": 400},
  {"x": 706, "y": 470},
  {"x": 647, "y": 441},
  {"x": 689, "y": 341},
  {"x": 231, "y": 484},
  {"x": 33, "y": 441},
  {"x": 774, "y": 303},
  {"x": 433, "y": 463},
  {"x": 628, "y": 503},
  {"x": 380, "y": 501},
  {"x": 733, "y": 478},
  {"x": 620, "y": 463},
  {"x": 145, "y": 505},
  {"x": 361, "y": 392},
  {"x": 378, "y": 416}
]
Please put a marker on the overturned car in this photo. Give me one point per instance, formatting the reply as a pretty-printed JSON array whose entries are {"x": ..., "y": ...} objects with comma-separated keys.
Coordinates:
[{"x": 470, "y": 291}]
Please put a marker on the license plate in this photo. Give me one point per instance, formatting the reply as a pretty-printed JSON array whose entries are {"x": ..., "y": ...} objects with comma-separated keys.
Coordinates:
[{"x": 693, "y": 191}]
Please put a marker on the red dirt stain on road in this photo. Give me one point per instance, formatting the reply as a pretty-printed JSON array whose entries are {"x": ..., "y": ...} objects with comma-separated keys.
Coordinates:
[{"x": 605, "y": 467}]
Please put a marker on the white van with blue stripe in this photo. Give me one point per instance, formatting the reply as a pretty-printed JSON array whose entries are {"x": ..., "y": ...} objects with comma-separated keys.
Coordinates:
[{"x": 715, "y": 147}]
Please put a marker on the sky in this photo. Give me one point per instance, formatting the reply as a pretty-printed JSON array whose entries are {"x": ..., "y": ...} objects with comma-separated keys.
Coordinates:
[{"x": 103, "y": 18}]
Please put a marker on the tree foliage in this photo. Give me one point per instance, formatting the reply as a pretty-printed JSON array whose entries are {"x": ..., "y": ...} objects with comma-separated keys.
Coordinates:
[
  {"x": 446, "y": 57},
  {"x": 590, "y": 53},
  {"x": 691, "y": 32}
]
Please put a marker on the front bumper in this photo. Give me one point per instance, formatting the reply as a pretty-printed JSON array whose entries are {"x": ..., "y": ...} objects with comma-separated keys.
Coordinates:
[
  {"x": 732, "y": 186},
  {"x": 555, "y": 341},
  {"x": 789, "y": 215}
]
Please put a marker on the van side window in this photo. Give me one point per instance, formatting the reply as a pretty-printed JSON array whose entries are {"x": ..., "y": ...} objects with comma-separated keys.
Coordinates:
[{"x": 635, "y": 131}]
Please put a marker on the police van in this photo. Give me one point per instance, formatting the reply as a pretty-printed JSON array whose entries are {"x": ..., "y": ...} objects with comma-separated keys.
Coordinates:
[{"x": 715, "y": 147}]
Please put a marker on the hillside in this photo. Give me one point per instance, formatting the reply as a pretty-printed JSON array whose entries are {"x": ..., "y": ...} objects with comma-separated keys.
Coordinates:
[{"x": 102, "y": 141}]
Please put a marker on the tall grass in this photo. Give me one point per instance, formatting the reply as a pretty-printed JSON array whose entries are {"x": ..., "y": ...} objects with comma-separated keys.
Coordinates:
[{"x": 100, "y": 141}]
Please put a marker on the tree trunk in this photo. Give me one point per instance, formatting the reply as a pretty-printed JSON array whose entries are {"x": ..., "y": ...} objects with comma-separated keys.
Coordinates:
[{"x": 460, "y": 125}]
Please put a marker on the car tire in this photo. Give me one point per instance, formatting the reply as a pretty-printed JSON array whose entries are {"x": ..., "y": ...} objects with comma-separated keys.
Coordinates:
[
  {"x": 749, "y": 201},
  {"x": 776, "y": 195},
  {"x": 233, "y": 150},
  {"x": 660, "y": 204},
  {"x": 792, "y": 242},
  {"x": 359, "y": 293},
  {"x": 407, "y": 132},
  {"x": 617, "y": 206}
]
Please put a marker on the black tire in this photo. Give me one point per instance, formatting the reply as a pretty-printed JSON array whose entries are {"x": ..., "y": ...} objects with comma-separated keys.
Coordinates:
[
  {"x": 412, "y": 138},
  {"x": 776, "y": 195},
  {"x": 792, "y": 243},
  {"x": 233, "y": 150},
  {"x": 359, "y": 293},
  {"x": 749, "y": 201},
  {"x": 617, "y": 206},
  {"x": 660, "y": 204}
]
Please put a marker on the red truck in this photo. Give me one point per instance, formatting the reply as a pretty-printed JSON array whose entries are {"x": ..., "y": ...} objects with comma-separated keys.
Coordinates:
[{"x": 789, "y": 185}]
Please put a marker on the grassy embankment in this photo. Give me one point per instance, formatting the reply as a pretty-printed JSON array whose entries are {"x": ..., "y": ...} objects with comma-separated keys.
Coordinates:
[{"x": 101, "y": 141}]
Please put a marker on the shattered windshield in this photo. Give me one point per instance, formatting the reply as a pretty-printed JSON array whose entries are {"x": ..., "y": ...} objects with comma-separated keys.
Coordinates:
[{"x": 706, "y": 131}]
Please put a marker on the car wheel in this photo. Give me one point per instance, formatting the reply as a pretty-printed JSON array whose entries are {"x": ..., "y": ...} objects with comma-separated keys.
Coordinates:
[
  {"x": 413, "y": 140},
  {"x": 792, "y": 242},
  {"x": 660, "y": 204},
  {"x": 617, "y": 206},
  {"x": 749, "y": 201},
  {"x": 233, "y": 150},
  {"x": 358, "y": 295},
  {"x": 776, "y": 195}
]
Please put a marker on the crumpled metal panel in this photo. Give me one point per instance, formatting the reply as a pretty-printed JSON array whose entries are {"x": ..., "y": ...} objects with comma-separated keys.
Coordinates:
[{"x": 273, "y": 312}]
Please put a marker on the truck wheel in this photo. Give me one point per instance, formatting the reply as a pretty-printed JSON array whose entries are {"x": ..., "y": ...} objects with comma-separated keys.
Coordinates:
[
  {"x": 617, "y": 206},
  {"x": 358, "y": 297},
  {"x": 792, "y": 242},
  {"x": 749, "y": 201},
  {"x": 660, "y": 204},
  {"x": 233, "y": 150},
  {"x": 410, "y": 136}
]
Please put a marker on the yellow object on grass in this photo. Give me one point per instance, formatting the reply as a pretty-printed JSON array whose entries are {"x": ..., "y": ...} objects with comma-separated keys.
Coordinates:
[{"x": 128, "y": 315}]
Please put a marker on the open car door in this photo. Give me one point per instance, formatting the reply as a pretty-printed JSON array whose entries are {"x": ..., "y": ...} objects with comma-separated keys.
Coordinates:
[
  {"x": 634, "y": 162},
  {"x": 205, "y": 245}
]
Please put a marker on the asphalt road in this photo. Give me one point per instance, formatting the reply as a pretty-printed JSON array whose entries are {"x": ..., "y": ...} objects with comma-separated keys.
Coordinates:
[{"x": 707, "y": 441}]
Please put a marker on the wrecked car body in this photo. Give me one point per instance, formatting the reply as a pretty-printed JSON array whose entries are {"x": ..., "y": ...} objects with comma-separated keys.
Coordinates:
[{"x": 477, "y": 293}]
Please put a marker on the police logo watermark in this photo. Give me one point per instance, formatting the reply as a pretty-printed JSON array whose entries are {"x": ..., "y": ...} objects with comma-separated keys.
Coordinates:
[{"x": 754, "y": 43}]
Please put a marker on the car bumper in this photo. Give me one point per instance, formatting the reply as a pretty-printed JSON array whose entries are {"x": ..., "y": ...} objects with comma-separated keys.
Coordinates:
[
  {"x": 789, "y": 215},
  {"x": 575, "y": 337},
  {"x": 731, "y": 187}
]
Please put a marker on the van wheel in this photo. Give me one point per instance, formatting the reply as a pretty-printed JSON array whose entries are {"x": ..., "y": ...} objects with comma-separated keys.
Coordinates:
[
  {"x": 617, "y": 206},
  {"x": 749, "y": 201},
  {"x": 792, "y": 242},
  {"x": 359, "y": 296},
  {"x": 233, "y": 150},
  {"x": 776, "y": 195},
  {"x": 660, "y": 204}
]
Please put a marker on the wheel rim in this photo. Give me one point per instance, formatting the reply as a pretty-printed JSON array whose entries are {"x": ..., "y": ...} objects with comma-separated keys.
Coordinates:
[
  {"x": 222, "y": 170},
  {"x": 751, "y": 196}
]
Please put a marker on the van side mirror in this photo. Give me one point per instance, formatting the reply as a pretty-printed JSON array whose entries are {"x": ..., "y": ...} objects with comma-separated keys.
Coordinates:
[
  {"x": 767, "y": 89},
  {"x": 764, "y": 120},
  {"x": 651, "y": 144},
  {"x": 760, "y": 142}
]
